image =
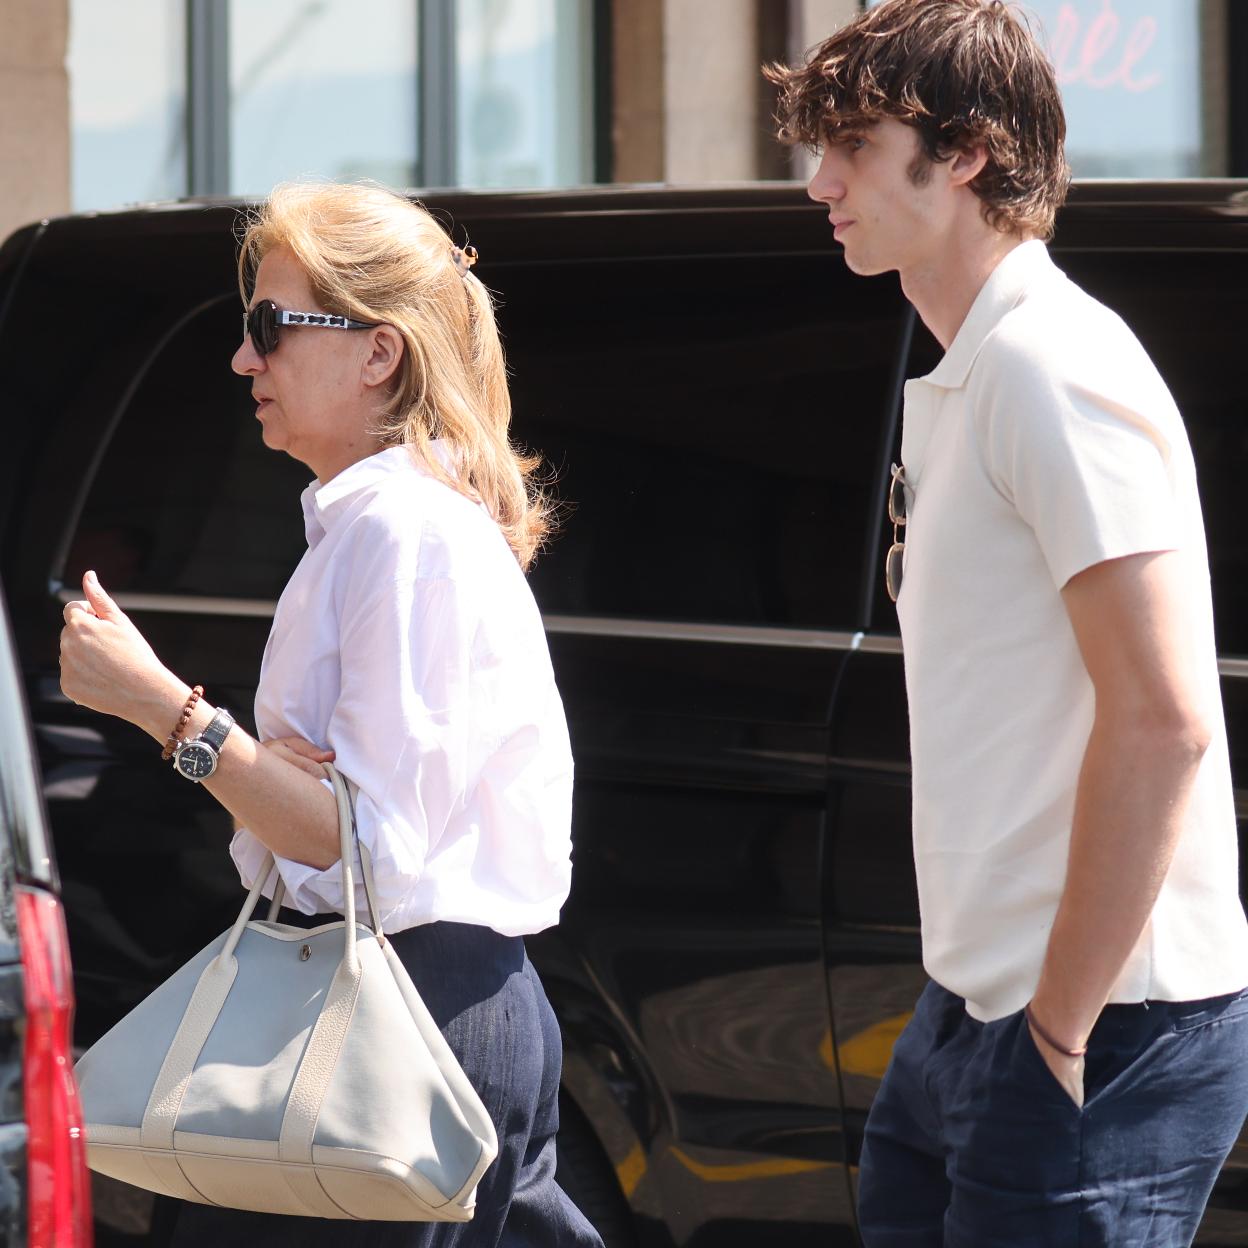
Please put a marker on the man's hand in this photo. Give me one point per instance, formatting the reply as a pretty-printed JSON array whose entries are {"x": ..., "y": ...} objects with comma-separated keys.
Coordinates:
[{"x": 1068, "y": 1071}]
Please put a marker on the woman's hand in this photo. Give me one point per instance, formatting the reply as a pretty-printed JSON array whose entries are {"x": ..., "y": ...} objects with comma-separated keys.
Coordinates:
[
  {"x": 106, "y": 663},
  {"x": 303, "y": 754}
]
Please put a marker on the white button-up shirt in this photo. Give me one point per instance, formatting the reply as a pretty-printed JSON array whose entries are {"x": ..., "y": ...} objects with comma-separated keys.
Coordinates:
[{"x": 408, "y": 642}]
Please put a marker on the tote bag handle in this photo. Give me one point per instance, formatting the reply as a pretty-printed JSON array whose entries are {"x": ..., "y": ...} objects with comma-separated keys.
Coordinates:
[{"x": 348, "y": 840}]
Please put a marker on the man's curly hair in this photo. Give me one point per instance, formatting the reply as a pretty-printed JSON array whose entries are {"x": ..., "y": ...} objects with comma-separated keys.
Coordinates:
[{"x": 962, "y": 73}]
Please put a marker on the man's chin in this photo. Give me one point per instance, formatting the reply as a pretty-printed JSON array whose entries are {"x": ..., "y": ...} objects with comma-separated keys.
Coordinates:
[{"x": 864, "y": 266}]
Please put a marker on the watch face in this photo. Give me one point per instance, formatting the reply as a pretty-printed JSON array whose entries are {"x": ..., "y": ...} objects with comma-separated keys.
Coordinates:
[{"x": 196, "y": 761}]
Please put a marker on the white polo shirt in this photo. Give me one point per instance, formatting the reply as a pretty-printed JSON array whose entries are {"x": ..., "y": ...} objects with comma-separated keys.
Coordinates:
[{"x": 1043, "y": 443}]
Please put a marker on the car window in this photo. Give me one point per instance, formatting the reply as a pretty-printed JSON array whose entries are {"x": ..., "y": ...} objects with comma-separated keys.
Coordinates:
[
  {"x": 712, "y": 424},
  {"x": 715, "y": 425},
  {"x": 24, "y": 845},
  {"x": 187, "y": 499}
]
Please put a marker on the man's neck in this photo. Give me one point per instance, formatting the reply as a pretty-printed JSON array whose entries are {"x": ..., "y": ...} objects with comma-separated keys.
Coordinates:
[{"x": 944, "y": 287}]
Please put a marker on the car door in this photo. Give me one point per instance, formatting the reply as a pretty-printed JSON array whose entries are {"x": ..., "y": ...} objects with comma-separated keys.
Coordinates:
[{"x": 715, "y": 421}]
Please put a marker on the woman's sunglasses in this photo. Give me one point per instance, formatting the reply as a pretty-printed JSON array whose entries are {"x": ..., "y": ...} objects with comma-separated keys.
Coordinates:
[
  {"x": 263, "y": 321},
  {"x": 897, "y": 517}
]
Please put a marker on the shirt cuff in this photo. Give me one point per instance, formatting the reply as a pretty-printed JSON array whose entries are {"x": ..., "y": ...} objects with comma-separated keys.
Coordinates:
[{"x": 313, "y": 890}]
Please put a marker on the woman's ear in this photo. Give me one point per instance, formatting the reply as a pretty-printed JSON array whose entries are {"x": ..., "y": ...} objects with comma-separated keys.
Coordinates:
[{"x": 384, "y": 355}]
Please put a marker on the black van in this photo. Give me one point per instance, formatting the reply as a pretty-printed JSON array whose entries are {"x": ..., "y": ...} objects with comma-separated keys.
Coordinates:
[{"x": 720, "y": 399}]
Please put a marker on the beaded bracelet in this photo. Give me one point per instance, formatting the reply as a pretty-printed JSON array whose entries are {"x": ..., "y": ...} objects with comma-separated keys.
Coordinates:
[
  {"x": 1048, "y": 1039},
  {"x": 171, "y": 741}
]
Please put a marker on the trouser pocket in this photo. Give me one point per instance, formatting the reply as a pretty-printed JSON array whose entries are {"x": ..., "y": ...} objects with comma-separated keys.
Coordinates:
[{"x": 1030, "y": 1066}]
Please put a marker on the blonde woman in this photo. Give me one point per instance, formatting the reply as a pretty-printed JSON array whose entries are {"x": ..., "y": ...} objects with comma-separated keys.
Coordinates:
[{"x": 406, "y": 648}]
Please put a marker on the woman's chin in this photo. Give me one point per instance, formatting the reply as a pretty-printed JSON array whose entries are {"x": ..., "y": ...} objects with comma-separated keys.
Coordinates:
[{"x": 271, "y": 436}]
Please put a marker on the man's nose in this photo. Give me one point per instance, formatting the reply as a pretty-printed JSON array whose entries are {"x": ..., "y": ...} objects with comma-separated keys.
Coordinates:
[{"x": 826, "y": 184}]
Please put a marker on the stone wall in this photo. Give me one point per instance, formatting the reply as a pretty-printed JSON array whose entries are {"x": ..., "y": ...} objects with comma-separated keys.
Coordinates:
[
  {"x": 689, "y": 104},
  {"x": 34, "y": 101}
]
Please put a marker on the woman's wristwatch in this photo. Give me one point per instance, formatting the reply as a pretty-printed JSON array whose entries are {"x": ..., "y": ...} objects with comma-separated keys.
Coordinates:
[{"x": 197, "y": 759}]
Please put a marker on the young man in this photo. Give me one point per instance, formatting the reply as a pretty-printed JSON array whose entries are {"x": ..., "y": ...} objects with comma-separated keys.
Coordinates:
[{"x": 1077, "y": 1070}]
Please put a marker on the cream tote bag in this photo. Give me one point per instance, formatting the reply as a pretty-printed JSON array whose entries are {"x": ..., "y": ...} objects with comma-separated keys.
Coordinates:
[{"x": 290, "y": 1070}]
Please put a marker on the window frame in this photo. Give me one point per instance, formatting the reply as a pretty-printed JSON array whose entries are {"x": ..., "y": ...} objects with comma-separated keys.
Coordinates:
[{"x": 208, "y": 95}]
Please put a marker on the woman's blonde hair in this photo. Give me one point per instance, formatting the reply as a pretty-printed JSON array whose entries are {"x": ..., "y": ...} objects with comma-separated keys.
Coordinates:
[{"x": 372, "y": 255}]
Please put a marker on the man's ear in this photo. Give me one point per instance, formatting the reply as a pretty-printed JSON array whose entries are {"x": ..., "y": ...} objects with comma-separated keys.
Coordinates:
[
  {"x": 967, "y": 164},
  {"x": 384, "y": 355}
]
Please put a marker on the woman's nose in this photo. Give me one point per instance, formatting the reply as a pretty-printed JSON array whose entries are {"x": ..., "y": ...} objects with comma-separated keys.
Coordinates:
[{"x": 247, "y": 360}]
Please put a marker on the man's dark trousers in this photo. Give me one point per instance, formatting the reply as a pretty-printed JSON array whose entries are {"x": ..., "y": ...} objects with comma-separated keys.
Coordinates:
[{"x": 972, "y": 1143}]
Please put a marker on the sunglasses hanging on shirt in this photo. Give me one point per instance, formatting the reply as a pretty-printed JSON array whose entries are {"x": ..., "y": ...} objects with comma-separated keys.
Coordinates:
[{"x": 897, "y": 517}]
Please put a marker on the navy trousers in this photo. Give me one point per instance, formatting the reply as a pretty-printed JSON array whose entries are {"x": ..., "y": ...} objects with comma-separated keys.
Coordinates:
[
  {"x": 973, "y": 1142},
  {"x": 486, "y": 997}
]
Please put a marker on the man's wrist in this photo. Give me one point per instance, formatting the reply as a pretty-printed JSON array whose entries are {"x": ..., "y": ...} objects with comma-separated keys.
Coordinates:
[
  {"x": 1055, "y": 1043},
  {"x": 1069, "y": 1024}
]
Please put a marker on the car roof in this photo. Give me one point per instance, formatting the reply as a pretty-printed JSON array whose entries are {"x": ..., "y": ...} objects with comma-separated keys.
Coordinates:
[
  {"x": 1224, "y": 194},
  {"x": 626, "y": 222}
]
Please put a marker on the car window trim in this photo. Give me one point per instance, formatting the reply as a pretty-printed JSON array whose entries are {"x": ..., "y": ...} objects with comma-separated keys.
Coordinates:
[{"x": 592, "y": 626}]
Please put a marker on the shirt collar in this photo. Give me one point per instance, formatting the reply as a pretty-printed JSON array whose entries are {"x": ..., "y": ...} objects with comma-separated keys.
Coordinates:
[
  {"x": 323, "y": 504},
  {"x": 1019, "y": 270}
]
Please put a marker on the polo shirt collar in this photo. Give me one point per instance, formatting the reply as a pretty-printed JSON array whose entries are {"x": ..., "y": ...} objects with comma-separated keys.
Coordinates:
[
  {"x": 1020, "y": 269},
  {"x": 323, "y": 504}
]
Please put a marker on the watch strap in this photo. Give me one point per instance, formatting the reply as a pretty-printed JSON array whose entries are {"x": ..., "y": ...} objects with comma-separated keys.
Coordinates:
[{"x": 218, "y": 729}]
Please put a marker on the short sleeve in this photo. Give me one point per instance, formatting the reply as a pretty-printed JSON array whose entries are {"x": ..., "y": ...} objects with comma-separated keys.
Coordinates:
[{"x": 1080, "y": 450}]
